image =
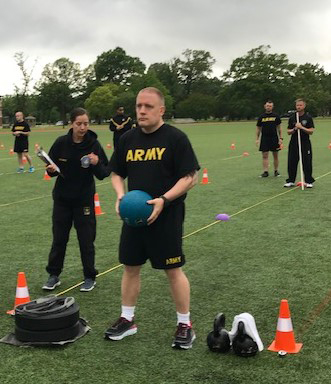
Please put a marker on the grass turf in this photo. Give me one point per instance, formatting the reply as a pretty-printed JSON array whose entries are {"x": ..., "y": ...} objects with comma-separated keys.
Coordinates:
[{"x": 270, "y": 249}]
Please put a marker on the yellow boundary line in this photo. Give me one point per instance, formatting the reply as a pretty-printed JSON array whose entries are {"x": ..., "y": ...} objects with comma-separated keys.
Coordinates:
[{"x": 201, "y": 229}]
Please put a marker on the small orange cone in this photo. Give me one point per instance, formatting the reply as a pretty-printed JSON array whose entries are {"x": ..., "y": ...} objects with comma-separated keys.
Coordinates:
[
  {"x": 36, "y": 146},
  {"x": 24, "y": 160},
  {"x": 245, "y": 154},
  {"x": 233, "y": 146},
  {"x": 97, "y": 206},
  {"x": 2, "y": 146},
  {"x": 11, "y": 151},
  {"x": 284, "y": 340},
  {"x": 108, "y": 146},
  {"x": 46, "y": 176},
  {"x": 22, "y": 292},
  {"x": 205, "y": 177},
  {"x": 330, "y": 145}
]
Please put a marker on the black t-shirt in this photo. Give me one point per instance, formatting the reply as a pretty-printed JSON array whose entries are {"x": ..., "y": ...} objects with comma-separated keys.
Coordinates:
[
  {"x": 306, "y": 120},
  {"x": 154, "y": 162},
  {"x": 269, "y": 122},
  {"x": 21, "y": 126}
]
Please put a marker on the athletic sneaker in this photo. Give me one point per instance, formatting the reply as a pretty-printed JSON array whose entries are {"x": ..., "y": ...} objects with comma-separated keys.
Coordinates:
[
  {"x": 289, "y": 184},
  {"x": 309, "y": 185},
  {"x": 184, "y": 337},
  {"x": 121, "y": 328},
  {"x": 52, "y": 282},
  {"x": 276, "y": 173},
  {"x": 88, "y": 285},
  {"x": 20, "y": 170},
  {"x": 31, "y": 169},
  {"x": 265, "y": 174}
]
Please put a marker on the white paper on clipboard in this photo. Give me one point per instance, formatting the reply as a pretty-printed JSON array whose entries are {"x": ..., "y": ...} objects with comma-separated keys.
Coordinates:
[{"x": 46, "y": 159}]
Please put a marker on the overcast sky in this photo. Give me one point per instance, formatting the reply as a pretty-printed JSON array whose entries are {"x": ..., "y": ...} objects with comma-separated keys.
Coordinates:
[{"x": 158, "y": 30}]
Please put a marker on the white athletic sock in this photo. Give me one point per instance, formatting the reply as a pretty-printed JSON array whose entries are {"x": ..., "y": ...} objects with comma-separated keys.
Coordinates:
[
  {"x": 127, "y": 312},
  {"x": 183, "y": 318}
]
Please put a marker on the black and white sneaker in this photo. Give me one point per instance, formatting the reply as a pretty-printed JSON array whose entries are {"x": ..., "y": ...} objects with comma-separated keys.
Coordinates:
[
  {"x": 184, "y": 337},
  {"x": 289, "y": 184},
  {"x": 121, "y": 328},
  {"x": 52, "y": 282},
  {"x": 265, "y": 174},
  {"x": 88, "y": 285},
  {"x": 309, "y": 185},
  {"x": 276, "y": 173}
]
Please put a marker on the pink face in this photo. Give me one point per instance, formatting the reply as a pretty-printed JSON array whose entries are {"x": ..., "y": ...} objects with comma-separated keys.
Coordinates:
[
  {"x": 80, "y": 126},
  {"x": 19, "y": 116},
  {"x": 300, "y": 106},
  {"x": 268, "y": 107},
  {"x": 149, "y": 110}
]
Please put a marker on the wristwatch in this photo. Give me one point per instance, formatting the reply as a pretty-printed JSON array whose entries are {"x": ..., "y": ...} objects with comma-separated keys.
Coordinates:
[{"x": 166, "y": 201}]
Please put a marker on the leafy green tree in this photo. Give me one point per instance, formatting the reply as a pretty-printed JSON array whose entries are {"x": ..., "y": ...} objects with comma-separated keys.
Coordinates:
[
  {"x": 115, "y": 66},
  {"x": 310, "y": 83},
  {"x": 254, "y": 78},
  {"x": 60, "y": 83},
  {"x": 197, "y": 106},
  {"x": 101, "y": 101},
  {"x": 193, "y": 67}
]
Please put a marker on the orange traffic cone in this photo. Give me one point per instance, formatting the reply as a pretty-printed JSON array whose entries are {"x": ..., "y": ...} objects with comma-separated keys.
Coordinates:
[
  {"x": 330, "y": 145},
  {"x": 46, "y": 176},
  {"x": 108, "y": 146},
  {"x": 11, "y": 151},
  {"x": 97, "y": 206},
  {"x": 2, "y": 146},
  {"x": 36, "y": 146},
  {"x": 205, "y": 177},
  {"x": 24, "y": 160},
  {"x": 284, "y": 340},
  {"x": 22, "y": 292},
  {"x": 233, "y": 146},
  {"x": 245, "y": 154}
]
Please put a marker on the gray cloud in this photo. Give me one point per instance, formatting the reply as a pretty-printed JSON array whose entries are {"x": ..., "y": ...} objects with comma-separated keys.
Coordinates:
[{"x": 157, "y": 30}]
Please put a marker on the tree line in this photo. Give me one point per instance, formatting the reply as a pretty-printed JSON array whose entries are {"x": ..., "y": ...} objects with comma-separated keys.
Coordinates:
[{"x": 187, "y": 82}]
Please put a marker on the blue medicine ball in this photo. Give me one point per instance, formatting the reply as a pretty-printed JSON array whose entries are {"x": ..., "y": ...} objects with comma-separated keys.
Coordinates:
[{"x": 133, "y": 208}]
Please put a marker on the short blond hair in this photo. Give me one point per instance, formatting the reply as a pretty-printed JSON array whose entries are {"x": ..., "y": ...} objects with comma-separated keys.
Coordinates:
[{"x": 156, "y": 91}]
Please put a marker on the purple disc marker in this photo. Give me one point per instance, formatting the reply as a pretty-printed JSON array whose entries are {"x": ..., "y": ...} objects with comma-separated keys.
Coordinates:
[{"x": 222, "y": 217}]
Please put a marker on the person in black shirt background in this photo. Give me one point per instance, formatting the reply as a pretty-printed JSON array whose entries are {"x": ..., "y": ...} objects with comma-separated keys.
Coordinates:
[
  {"x": 269, "y": 136},
  {"x": 79, "y": 157},
  {"x": 21, "y": 131},
  {"x": 305, "y": 127},
  {"x": 158, "y": 159},
  {"x": 119, "y": 124}
]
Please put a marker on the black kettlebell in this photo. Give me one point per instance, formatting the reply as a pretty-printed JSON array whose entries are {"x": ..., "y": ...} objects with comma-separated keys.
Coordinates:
[
  {"x": 242, "y": 344},
  {"x": 218, "y": 339}
]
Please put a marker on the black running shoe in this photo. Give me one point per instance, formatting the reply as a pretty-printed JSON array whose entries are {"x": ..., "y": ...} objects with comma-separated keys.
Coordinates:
[
  {"x": 276, "y": 173},
  {"x": 184, "y": 337},
  {"x": 265, "y": 174},
  {"x": 52, "y": 282},
  {"x": 121, "y": 328}
]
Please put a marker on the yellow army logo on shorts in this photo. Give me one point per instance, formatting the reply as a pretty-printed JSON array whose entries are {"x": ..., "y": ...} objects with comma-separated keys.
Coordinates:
[
  {"x": 87, "y": 211},
  {"x": 173, "y": 260},
  {"x": 145, "y": 155}
]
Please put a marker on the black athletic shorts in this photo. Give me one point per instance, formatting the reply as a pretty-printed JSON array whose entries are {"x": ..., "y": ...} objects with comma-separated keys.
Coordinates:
[
  {"x": 20, "y": 147},
  {"x": 269, "y": 144},
  {"x": 160, "y": 242}
]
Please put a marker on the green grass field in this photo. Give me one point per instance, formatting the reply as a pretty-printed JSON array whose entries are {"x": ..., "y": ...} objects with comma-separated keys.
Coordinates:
[{"x": 276, "y": 245}]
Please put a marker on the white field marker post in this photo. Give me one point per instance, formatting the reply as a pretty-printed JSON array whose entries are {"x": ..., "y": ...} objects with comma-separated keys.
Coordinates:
[{"x": 300, "y": 154}]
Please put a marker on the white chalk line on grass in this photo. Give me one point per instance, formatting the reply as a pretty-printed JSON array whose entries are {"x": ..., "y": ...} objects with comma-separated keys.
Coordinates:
[{"x": 38, "y": 197}]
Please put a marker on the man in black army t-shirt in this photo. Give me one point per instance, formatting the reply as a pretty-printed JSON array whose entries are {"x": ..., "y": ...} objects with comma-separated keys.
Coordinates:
[
  {"x": 306, "y": 128},
  {"x": 269, "y": 134},
  {"x": 119, "y": 124},
  {"x": 21, "y": 131},
  {"x": 158, "y": 159}
]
